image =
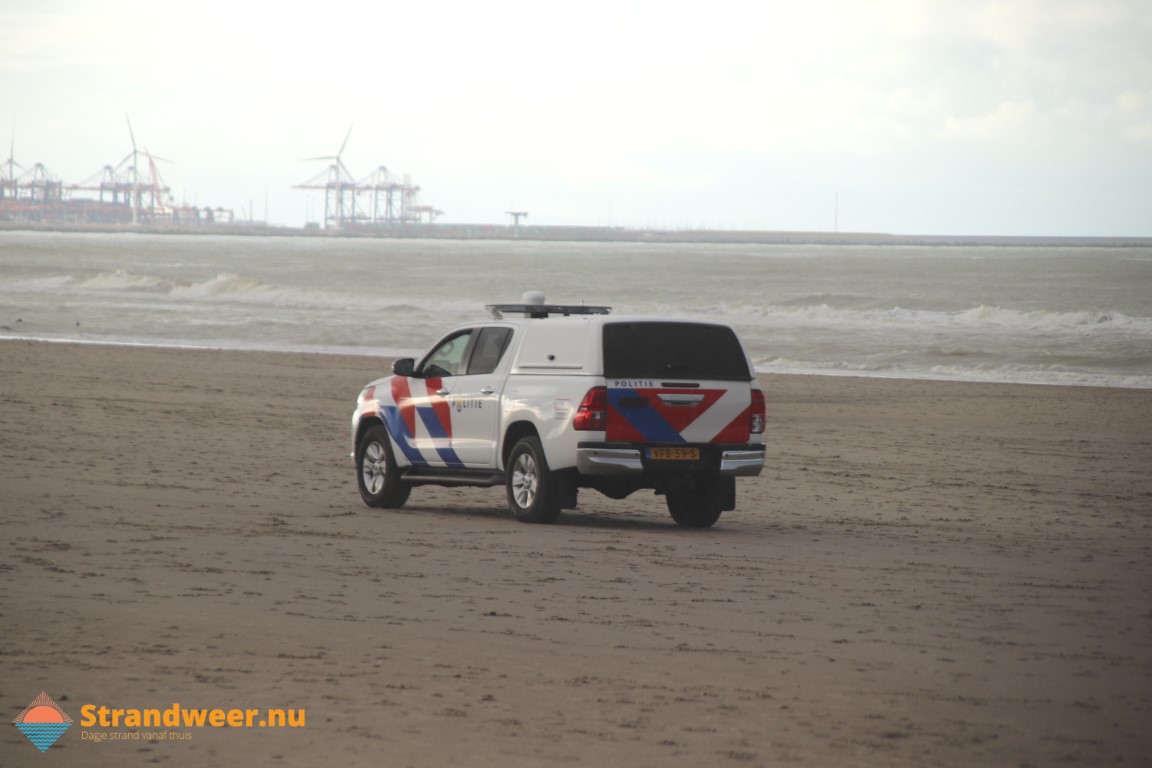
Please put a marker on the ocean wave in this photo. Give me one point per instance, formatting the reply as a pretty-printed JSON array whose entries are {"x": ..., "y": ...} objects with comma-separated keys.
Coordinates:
[
  {"x": 222, "y": 285},
  {"x": 227, "y": 287},
  {"x": 120, "y": 280},
  {"x": 818, "y": 310},
  {"x": 37, "y": 284},
  {"x": 1004, "y": 374},
  {"x": 984, "y": 314},
  {"x": 836, "y": 300},
  {"x": 1013, "y": 374},
  {"x": 975, "y": 317},
  {"x": 789, "y": 365}
]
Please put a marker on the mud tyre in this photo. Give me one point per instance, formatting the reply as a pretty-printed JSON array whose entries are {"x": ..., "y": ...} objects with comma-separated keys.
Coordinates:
[
  {"x": 376, "y": 473},
  {"x": 696, "y": 507}
]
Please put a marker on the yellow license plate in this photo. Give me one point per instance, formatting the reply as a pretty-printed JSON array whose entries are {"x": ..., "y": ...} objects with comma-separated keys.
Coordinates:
[{"x": 674, "y": 454}]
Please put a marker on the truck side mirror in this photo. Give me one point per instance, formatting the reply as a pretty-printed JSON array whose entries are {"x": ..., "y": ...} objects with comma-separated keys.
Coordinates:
[{"x": 404, "y": 366}]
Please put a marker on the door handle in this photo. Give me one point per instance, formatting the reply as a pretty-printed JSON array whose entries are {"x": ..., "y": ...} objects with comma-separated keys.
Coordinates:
[
  {"x": 486, "y": 390},
  {"x": 443, "y": 392}
]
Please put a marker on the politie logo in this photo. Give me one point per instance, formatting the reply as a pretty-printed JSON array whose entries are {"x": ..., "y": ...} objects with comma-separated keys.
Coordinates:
[{"x": 43, "y": 722}]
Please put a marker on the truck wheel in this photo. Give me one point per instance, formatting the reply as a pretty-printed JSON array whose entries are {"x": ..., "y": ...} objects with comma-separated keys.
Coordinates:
[
  {"x": 697, "y": 507},
  {"x": 531, "y": 488},
  {"x": 376, "y": 472}
]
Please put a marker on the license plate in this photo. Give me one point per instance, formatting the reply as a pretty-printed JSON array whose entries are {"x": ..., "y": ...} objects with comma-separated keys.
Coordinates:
[{"x": 674, "y": 454}]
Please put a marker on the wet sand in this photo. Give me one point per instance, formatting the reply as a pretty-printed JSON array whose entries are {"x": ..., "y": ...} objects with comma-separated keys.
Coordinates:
[{"x": 928, "y": 573}]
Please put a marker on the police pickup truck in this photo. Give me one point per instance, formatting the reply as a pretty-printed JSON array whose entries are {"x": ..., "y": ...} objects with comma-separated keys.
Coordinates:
[{"x": 546, "y": 399}]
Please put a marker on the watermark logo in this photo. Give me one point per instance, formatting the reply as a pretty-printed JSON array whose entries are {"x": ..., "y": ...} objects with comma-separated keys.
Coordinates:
[{"x": 43, "y": 722}]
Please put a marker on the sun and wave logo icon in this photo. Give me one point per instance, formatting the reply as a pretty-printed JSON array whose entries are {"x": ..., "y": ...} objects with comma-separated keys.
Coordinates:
[{"x": 43, "y": 722}]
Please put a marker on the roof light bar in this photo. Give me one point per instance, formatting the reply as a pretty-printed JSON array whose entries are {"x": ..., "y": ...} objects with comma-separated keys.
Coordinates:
[{"x": 544, "y": 310}]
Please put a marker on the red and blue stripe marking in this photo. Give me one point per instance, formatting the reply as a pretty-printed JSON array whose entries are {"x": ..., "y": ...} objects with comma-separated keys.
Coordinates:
[
  {"x": 630, "y": 420},
  {"x": 434, "y": 413}
]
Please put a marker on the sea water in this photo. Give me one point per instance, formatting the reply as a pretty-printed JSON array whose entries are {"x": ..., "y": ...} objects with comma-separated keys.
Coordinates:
[{"x": 1061, "y": 315}]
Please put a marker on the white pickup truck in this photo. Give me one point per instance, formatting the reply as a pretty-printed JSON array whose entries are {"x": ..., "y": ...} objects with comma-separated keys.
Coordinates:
[{"x": 547, "y": 399}]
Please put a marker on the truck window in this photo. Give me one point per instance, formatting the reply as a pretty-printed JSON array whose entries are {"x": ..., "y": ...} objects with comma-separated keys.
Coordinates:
[
  {"x": 490, "y": 346},
  {"x": 446, "y": 358},
  {"x": 663, "y": 350}
]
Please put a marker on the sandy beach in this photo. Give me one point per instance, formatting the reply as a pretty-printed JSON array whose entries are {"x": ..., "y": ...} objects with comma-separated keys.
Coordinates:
[{"x": 928, "y": 574}]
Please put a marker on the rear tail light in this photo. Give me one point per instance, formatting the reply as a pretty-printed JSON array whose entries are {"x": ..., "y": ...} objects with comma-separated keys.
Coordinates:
[
  {"x": 759, "y": 412},
  {"x": 590, "y": 416}
]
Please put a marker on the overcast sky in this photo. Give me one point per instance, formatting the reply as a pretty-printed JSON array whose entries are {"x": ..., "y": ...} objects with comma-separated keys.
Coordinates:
[{"x": 905, "y": 116}]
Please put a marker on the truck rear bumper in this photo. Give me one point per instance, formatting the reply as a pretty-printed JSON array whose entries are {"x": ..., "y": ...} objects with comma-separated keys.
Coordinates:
[{"x": 727, "y": 461}]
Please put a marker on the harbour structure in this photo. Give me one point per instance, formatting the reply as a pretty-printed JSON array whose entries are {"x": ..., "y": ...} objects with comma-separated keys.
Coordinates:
[
  {"x": 378, "y": 199},
  {"x": 131, "y": 192}
]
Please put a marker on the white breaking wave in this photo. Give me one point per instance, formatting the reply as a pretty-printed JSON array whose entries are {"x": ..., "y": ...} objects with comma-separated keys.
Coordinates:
[
  {"x": 222, "y": 285},
  {"x": 38, "y": 284},
  {"x": 228, "y": 285},
  {"x": 1005, "y": 374},
  {"x": 823, "y": 315},
  {"x": 124, "y": 281},
  {"x": 232, "y": 288},
  {"x": 1073, "y": 317},
  {"x": 1041, "y": 319}
]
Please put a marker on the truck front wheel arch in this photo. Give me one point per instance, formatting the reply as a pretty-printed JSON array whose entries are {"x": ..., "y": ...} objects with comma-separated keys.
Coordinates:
[{"x": 377, "y": 476}]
